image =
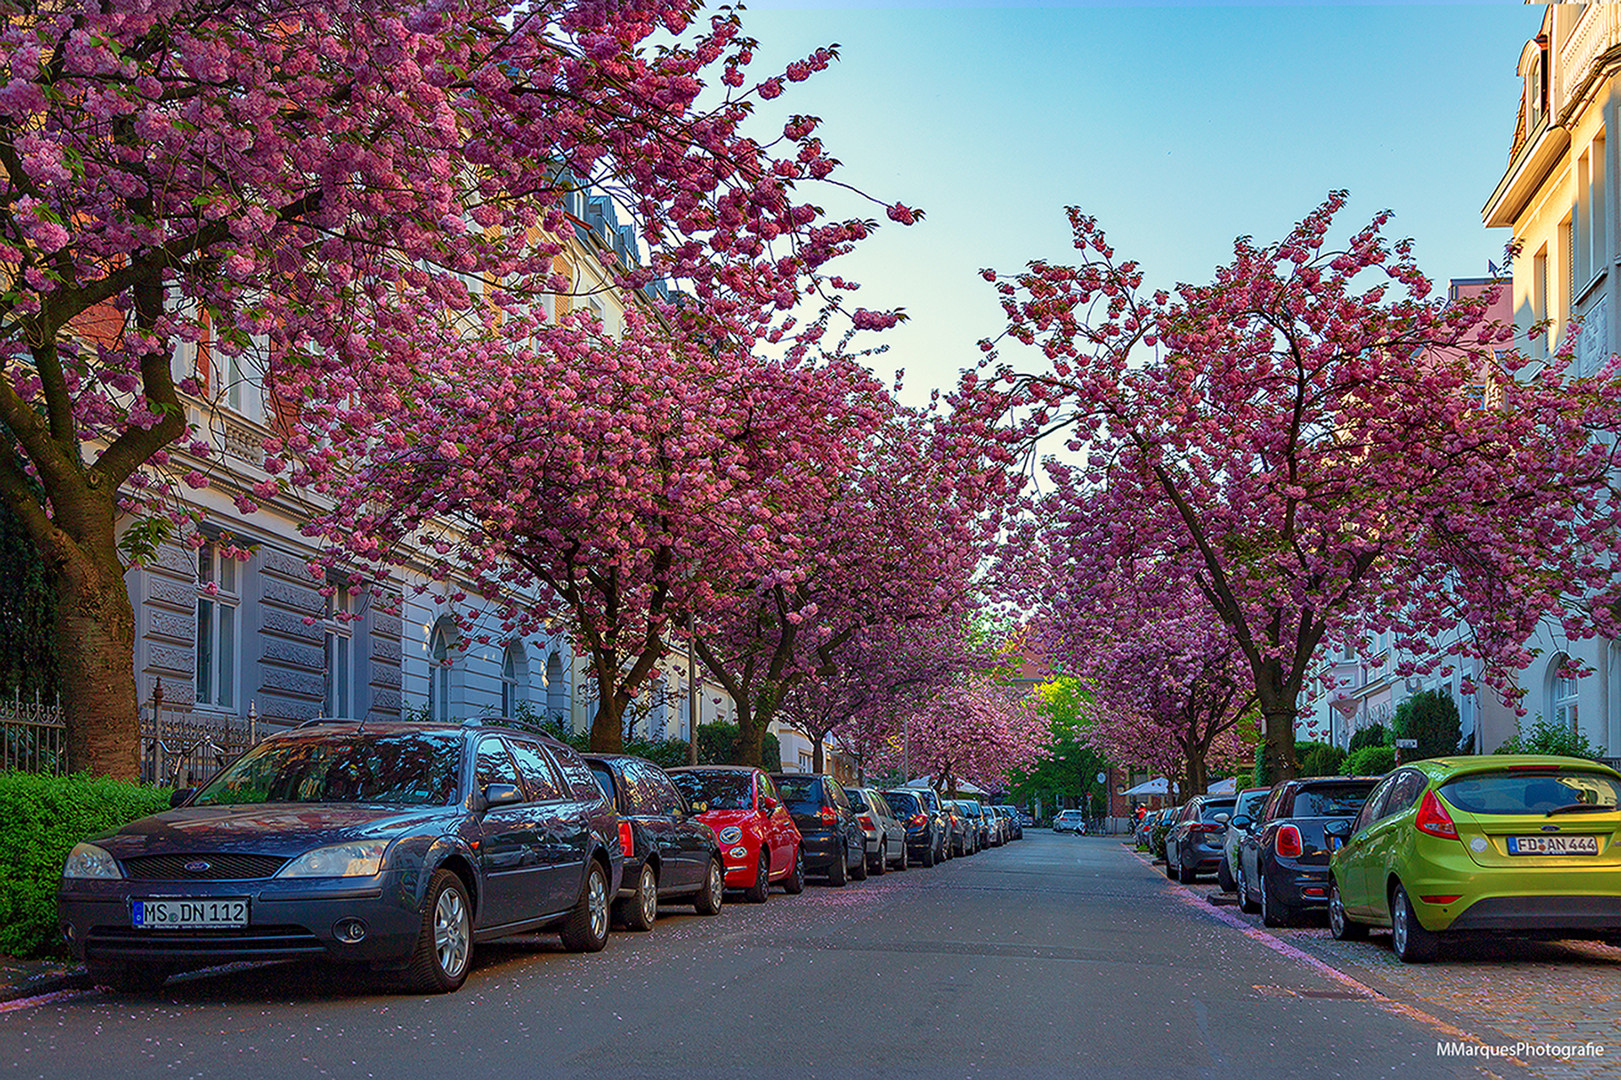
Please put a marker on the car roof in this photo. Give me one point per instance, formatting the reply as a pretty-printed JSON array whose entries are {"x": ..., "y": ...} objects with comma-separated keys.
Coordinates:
[{"x": 1459, "y": 764}]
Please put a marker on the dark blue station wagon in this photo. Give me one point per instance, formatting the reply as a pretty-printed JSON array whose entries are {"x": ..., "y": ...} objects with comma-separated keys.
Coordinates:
[{"x": 391, "y": 845}]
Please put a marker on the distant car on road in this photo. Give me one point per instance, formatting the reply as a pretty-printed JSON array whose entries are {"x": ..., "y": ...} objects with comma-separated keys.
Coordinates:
[
  {"x": 1193, "y": 846},
  {"x": 925, "y": 833},
  {"x": 1069, "y": 821},
  {"x": 885, "y": 836}
]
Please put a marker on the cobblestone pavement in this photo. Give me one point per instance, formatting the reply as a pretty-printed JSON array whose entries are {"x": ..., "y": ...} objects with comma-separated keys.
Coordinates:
[{"x": 1564, "y": 992}]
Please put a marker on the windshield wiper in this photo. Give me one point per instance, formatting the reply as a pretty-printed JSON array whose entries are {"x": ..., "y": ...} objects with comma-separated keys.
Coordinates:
[{"x": 1581, "y": 808}]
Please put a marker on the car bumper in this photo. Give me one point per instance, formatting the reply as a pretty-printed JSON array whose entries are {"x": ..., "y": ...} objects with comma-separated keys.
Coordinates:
[
  {"x": 741, "y": 870},
  {"x": 1552, "y": 915},
  {"x": 820, "y": 851},
  {"x": 1299, "y": 886},
  {"x": 283, "y": 923}
]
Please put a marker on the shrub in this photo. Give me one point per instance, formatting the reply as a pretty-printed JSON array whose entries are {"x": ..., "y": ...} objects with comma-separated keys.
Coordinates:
[
  {"x": 1371, "y": 761},
  {"x": 1372, "y": 735},
  {"x": 44, "y": 817},
  {"x": 1546, "y": 738},
  {"x": 1431, "y": 718},
  {"x": 1322, "y": 760}
]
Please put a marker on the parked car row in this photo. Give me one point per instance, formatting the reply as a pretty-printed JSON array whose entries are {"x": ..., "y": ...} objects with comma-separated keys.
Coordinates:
[
  {"x": 398, "y": 846},
  {"x": 1518, "y": 844}
]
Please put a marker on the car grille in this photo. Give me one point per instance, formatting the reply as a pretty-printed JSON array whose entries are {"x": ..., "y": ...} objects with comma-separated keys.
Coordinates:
[
  {"x": 243, "y": 943},
  {"x": 220, "y": 867}
]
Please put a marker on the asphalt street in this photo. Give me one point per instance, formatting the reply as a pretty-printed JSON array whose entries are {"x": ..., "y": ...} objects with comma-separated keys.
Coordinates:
[{"x": 1055, "y": 956}]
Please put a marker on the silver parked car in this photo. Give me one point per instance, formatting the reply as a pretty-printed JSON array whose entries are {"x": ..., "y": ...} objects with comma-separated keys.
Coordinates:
[
  {"x": 1248, "y": 806},
  {"x": 885, "y": 836},
  {"x": 1070, "y": 821}
]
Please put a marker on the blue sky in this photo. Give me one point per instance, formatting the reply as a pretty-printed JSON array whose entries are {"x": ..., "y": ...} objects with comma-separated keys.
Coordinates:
[{"x": 1179, "y": 127}]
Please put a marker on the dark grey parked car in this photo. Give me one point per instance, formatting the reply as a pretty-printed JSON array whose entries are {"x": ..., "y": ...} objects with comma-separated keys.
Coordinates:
[
  {"x": 1283, "y": 855},
  {"x": 391, "y": 845},
  {"x": 1194, "y": 844}
]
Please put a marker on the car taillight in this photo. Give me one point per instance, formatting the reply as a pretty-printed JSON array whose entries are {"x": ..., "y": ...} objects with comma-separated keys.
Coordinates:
[
  {"x": 1287, "y": 842},
  {"x": 627, "y": 843},
  {"x": 866, "y": 821},
  {"x": 1434, "y": 819},
  {"x": 828, "y": 815},
  {"x": 918, "y": 819}
]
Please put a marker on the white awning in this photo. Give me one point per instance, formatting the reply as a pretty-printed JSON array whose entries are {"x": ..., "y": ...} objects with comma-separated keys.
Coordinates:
[
  {"x": 1156, "y": 786},
  {"x": 964, "y": 787},
  {"x": 1228, "y": 786}
]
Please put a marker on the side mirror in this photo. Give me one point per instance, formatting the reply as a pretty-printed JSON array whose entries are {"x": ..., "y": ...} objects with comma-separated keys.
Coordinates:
[
  {"x": 1223, "y": 817},
  {"x": 1242, "y": 821},
  {"x": 181, "y": 796},
  {"x": 768, "y": 805},
  {"x": 501, "y": 795},
  {"x": 1340, "y": 830}
]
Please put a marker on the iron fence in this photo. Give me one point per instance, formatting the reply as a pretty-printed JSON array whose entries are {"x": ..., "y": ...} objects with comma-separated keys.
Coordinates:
[
  {"x": 181, "y": 748},
  {"x": 33, "y": 737}
]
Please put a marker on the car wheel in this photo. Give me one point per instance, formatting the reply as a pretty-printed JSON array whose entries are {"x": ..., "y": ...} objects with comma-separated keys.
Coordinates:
[
  {"x": 708, "y": 899},
  {"x": 1170, "y": 863},
  {"x": 1411, "y": 942},
  {"x": 794, "y": 883},
  {"x": 129, "y": 978},
  {"x": 1340, "y": 924},
  {"x": 1186, "y": 874},
  {"x": 858, "y": 872},
  {"x": 1245, "y": 904},
  {"x": 1272, "y": 912},
  {"x": 928, "y": 856},
  {"x": 879, "y": 866},
  {"x": 757, "y": 892},
  {"x": 1224, "y": 875},
  {"x": 444, "y": 948},
  {"x": 586, "y": 928},
  {"x": 906, "y": 857},
  {"x": 639, "y": 910},
  {"x": 838, "y": 870}
]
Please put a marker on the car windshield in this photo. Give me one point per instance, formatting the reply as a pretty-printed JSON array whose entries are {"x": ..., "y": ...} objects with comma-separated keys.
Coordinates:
[
  {"x": 718, "y": 790},
  {"x": 1209, "y": 810},
  {"x": 903, "y": 804},
  {"x": 415, "y": 768},
  {"x": 802, "y": 793},
  {"x": 1530, "y": 792},
  {"x": 1338, "y": 800}
]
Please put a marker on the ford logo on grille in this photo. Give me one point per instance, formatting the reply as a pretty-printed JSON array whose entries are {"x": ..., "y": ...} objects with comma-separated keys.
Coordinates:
[{"x": 196, "y": 866}]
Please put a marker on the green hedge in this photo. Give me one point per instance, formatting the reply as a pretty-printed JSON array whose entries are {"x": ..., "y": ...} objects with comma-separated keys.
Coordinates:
[
  {"x": 1371, "y": 761},
  {"x": 44, "y": 816}
]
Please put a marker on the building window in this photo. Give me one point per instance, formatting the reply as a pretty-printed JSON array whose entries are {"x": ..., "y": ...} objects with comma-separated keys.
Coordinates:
[
  {"x": 557, "y": 692},
  {"x": 217, "y": 601},
  {"x": 441, "y": 668},
  {"x": 514, "y": 678},
  {"x": 339, "y": 665},
  {"x": 1564, "y": 695}
]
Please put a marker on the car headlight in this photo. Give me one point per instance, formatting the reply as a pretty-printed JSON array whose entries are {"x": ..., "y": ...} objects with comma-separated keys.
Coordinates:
[
  {"x": 87, "y": 861},
  {"x": 338, "y": 860},
  {"x": 731, "y": 834}
]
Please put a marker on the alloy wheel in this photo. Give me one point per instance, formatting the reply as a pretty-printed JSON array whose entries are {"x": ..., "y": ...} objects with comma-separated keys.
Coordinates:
[
  {"x": 1398, "y": 923},
  {"x": 648, "y": 892},
  {"x": 597, "y": 905},
  {"x": 451, "y": 933}
]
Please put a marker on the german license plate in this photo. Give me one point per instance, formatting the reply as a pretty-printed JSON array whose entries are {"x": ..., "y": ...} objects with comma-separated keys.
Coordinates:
[
  {"x": 183, "y": 914},
  {"x": 1553, "y": 845}
]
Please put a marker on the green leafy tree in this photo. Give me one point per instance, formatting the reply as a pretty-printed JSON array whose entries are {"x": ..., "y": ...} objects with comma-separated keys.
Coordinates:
[
  {"x": 1320, "y": 759},
  {"x": 1070, "y": 767},
  {"x": 1371, "y": 761},
  {"x": 1372, "y": 735},
  {"x": 1545, "y": 738},
  {"x": 1431, "y": 718}
]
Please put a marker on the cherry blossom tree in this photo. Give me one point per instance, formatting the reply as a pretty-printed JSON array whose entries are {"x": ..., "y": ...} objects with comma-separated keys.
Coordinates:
[
  {"x": 314, "y": 186},
  {"x": 975, "y": 729},
  {"x": 1322, "y": 448}
]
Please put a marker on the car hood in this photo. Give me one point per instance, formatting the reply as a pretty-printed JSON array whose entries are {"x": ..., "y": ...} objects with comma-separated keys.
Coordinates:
[
  {"x": 269, "y": 828},
  {"x": 719, "y": 819}
]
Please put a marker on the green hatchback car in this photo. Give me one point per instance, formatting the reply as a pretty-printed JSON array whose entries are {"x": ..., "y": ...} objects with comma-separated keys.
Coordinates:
[{"x": 1514, "y": 843}]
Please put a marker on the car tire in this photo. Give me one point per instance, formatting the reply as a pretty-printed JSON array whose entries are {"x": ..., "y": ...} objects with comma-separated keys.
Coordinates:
[
  {"x": 906, "y": 857},
  {"x": 129, "y": 978},
  {"x": 640, "y": 909},
  {"x": 1170, "y": 866},
  {"x": 761, "y": 888},
  {"x": 794, "y": 883},
  {"x": 1408, "y": 939},
  {"x": 586, "y": 927},
  {"x": 444, "y": 946},
  {"x": 858, "y": 872},
  {"x": 838, "y": 870},
  {"x": 879, "y": 866},
  {"x": 1340, "y": 923},
  {"x": 707, "y": 900},
  {"x": 1187, "y": 875},
  {"x": 1224, "y": 875},
  {"x": 928, "y": 856},
  {"x": 1273, "y": 913},
  {"x": 1245, "y": 904}
]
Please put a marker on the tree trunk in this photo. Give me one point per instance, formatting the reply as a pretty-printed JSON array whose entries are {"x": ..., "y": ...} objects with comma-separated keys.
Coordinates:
[
  {"x": 816, "y": 754},
  {"x": 1279, "y": 760},
  {"x": 607, "y": 737}
]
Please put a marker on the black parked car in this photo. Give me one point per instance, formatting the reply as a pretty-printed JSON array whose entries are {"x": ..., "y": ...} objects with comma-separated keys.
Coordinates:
[
  {"x": 925, "y": 833},
  {"x": 668, "y": 850},
  {"x": 1193, "y": 846},
  {"x": 833, "y": 841},
  {"x": 392, "y": 845},
  {"x": 1283, "y": 856}
]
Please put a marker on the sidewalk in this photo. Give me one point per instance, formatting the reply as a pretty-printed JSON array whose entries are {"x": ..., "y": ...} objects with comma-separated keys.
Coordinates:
[{"x": 31, "y": 978}]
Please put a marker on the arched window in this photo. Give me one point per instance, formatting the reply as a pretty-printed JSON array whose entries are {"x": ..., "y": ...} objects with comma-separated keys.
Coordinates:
[
  {"x": 514, "y": 678},
  {"x": 1562, "y": 694},
  {"x": 557, "y": 692},
  {"x": 441, "y": 668}
]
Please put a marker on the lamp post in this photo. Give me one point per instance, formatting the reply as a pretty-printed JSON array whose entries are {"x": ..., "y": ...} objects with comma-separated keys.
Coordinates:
[{"x": 692, "y": 695}]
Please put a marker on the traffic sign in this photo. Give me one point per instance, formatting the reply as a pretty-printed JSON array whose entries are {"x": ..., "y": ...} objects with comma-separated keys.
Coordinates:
[{"x": 1406, "y": 744}]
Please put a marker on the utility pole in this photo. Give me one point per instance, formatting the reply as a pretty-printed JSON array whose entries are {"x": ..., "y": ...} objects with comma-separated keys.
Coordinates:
[{"x": 692, "y": 696}]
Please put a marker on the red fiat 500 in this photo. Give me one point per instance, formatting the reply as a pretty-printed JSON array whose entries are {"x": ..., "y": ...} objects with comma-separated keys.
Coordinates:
[{"x": 758, "y": 839}]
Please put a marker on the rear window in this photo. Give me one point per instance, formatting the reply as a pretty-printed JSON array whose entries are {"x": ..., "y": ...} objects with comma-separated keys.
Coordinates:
[
  {"x": 801, "y": 792},
  {"x": 1251, "y": 804},
  {"x": 1530, "y": 792},
  {"x": 857, "y": 800},
  {"x": 1336, "y": 800},
  {"x": 1209, "y": 811},
  {"x": 903, "y": 804},
  {"x": 716, "y": 790}
]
